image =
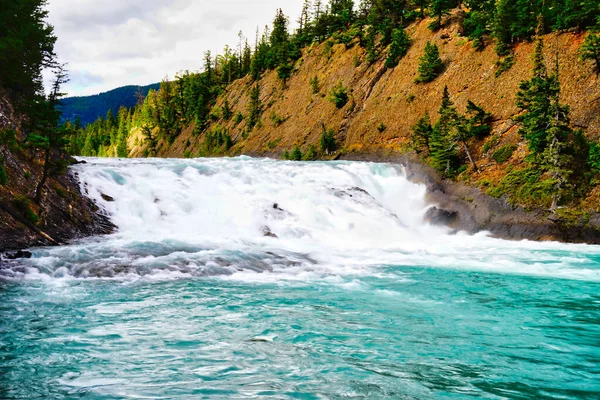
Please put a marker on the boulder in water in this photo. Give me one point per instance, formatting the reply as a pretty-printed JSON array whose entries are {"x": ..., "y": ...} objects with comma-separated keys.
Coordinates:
[
  {"x": 438, "y": 216},
  {"x": 267, "y": 232},
  {"x": 107, "y": 197},
  {"x": 19, "y": 254}
]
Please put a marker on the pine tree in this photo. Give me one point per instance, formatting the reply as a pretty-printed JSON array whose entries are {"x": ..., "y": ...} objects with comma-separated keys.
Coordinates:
[
  {"x": 50, "y": 133},
  {"x": 398, "y": 48},
  {"x": 421, "y": 132},
  {"x": 254, "y": 106},
  {"x": 545, "y": 123},
  {"x": 534, "y": 97},
  {"x": 296, "y": 154},
  {"x": 430, "y": 64},
  {"x": 123, "y": 133},
  {"x": 590, "y": 50},
  {"x": 450, "y": 129},
  {"x": 439, "y": 8},
  {"x": 328, "y": 143}
]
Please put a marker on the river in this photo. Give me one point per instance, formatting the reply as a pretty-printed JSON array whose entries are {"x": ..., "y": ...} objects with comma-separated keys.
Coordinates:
[{"x": 239, "y": 278}]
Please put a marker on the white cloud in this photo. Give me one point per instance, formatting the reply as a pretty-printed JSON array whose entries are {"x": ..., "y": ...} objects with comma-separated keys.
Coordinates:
[{"x": 136, "y": 42}]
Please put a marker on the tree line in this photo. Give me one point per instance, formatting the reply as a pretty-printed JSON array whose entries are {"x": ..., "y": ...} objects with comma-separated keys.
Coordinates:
[{"x": 26, "y": 50}]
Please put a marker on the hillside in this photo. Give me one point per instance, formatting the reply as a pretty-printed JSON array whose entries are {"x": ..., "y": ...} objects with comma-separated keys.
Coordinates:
[
  {"x": 379, "y": 95},
  {"x": 90, "y": 108},
  {"x": 284, "y": 112}
]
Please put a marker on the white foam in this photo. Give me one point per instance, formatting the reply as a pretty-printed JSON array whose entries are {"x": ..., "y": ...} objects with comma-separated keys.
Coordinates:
[{"x": 196, "y": 217}]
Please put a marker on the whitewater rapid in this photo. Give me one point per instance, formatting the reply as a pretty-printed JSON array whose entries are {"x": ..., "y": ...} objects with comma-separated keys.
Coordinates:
[{"x": 269, "y": 220}]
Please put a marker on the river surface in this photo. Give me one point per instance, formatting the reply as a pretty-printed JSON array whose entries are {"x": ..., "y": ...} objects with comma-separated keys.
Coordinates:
[{"x": 259, "y": 279}]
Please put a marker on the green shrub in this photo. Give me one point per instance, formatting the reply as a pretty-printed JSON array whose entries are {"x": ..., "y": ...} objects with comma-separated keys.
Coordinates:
[
  {"x": 490, "y": 143},
  {"x": 594, "y": 157},
  {"x": 421, "y": 133},
  {"x": 277, "y": 119},
  {"x": 23, "y": 205},
  {"x": 590, "y": 49},
  {"x": 339, "y": 95},
  {"x": 254, "y": 107},
  {"x": 239, "y": 117},
  {"x": 226, "y": 110},
  {"x": 314, "y": 84},
  {"x": 3, "y": 176},
  {"x": 296, "y": 154},
  {"x": 523, "y": 187},
  {"x": 328, "y": 142},
  {"x": 273, "y": 143},
  {"x": 328, "y": 49},
  {"x": 381, "y": 128},
  {"x": 217, "y": 139},
  {"x": 215, "y": 113},
  {"x": 504, "y": 153},
  {"x": 311, "y": 154},
  {"x": 410, "y": 98},
  {"x": 504, "y": 65},
  {"x": 8, "y": 137}
]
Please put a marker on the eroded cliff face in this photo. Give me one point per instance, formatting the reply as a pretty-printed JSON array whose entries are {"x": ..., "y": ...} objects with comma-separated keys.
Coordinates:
[{"x": 63, "y": 214}]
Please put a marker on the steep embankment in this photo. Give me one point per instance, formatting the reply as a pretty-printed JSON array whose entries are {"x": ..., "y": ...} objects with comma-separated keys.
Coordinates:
[
  {"x": 62, "y": 215},
  {"x": 294, "y": 116}
]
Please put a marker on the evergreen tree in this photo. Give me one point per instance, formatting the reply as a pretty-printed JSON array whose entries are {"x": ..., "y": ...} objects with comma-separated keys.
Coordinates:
[
  {"x": 534, "y": 97},
  {"x": 296, "y": 154},
  {"x": 26, "y": 48},
  {"x": 328, "y": 143},
  {"x": 545, "y": 123},
  {"x": 439, "y": 8},
  {"x": 421, "y": 132},
  {"x": 430, "y": 64},
  {"x": 398, "y": 48},
  {"x": 254, "y": 106},
  {"x": 48, "y": 135},
  {"x": 590, "y": 50},
  {"x": 123, "y": 133}
]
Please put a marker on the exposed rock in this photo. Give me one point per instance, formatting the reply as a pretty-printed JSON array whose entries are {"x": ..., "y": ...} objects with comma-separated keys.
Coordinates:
[
  {"x": 19, "y": 254},
  {"x": 108, "y": 198},
  {"x": 267, "y": 232},
  {"x": 438, "y": 216},
  {"x": 476, "y": 211}
]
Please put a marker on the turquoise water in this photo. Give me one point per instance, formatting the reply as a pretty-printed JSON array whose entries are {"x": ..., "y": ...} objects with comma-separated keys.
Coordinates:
[
  {"x": 411, "y": 332},
  {"x": 355, "y": 298}
]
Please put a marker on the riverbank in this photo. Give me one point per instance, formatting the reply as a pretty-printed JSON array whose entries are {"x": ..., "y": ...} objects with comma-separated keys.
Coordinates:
[
  {"x": 63, "y": 215},
  {"x": 466, "y": 208}
]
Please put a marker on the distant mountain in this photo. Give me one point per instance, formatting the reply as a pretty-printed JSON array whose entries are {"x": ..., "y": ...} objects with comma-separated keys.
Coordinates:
[{"x": 89, "y": 108}]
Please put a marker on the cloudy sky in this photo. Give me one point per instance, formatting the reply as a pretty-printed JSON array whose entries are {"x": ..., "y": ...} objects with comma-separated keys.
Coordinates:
[{"x": 113, "y": 43}]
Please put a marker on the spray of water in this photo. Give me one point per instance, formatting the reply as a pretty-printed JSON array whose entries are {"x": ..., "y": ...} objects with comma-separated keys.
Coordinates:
[{"x": 259, "y": 219}]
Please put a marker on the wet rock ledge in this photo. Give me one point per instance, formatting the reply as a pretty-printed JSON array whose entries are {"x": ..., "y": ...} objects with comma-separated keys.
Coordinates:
[
  {"x": 63, "y": 215},
  {"x": 467, "y": 208}
]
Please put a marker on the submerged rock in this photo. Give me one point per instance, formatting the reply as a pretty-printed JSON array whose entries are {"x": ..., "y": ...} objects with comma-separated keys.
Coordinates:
[{"x": 19, "y": 254}]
